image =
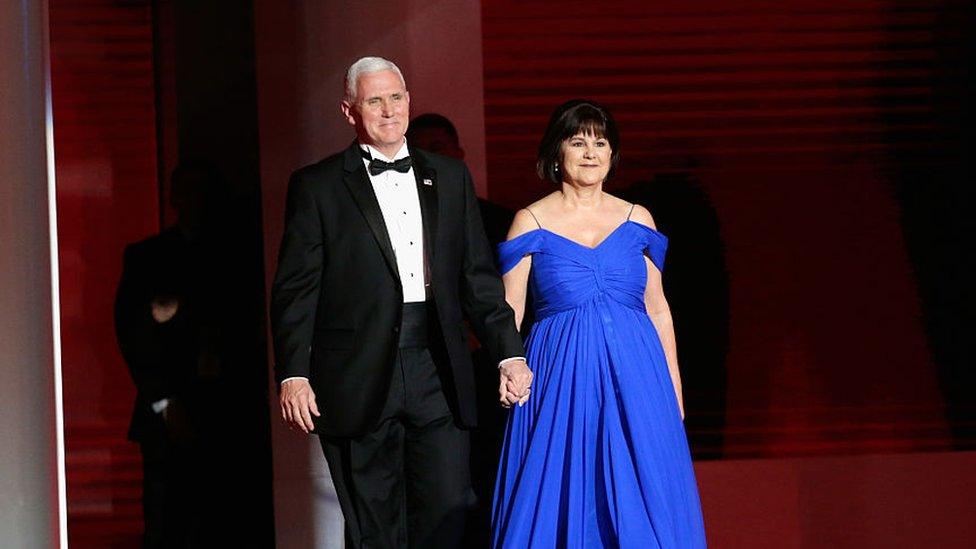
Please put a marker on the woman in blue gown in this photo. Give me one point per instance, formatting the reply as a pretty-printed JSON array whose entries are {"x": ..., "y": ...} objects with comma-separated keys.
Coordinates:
[{"x": 596, "y": 454}]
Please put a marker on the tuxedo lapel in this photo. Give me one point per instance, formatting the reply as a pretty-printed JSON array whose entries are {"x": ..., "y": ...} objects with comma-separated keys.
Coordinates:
[
  {"x": 427, "y": 191},
  {"x": 357, "y": 182}
]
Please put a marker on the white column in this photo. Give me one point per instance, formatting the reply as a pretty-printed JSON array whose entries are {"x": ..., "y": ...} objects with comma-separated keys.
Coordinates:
[{"x": 32, "y": 508}]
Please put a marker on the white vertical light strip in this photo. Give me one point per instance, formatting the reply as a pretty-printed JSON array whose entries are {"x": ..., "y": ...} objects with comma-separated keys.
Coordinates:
[{"x": 52, "y": 214}]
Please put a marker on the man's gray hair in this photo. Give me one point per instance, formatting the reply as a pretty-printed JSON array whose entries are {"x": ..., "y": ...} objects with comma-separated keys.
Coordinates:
[{"x": 366, "y": 65}]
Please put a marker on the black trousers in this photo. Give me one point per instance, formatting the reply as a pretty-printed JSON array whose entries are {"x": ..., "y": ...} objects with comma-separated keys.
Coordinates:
[{"x": 406, "y": 483}]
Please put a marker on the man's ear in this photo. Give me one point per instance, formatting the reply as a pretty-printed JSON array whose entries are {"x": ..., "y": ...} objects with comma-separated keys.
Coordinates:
[{"x": 346, "y": 109}]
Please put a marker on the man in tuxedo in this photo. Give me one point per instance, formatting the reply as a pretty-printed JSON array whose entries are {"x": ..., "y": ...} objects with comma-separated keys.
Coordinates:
[{"x": 382, "y": 257}]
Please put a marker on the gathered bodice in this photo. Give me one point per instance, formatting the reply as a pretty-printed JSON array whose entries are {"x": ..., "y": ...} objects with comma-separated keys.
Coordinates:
[{"x": 566, "y": 274}]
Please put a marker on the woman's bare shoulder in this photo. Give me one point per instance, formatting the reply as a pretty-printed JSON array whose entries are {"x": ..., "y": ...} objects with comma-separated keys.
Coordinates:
[
  {"x": 523, "y": 222},
  {"x": 531, "y": 217},
  {"x": 642, "y": 216}
]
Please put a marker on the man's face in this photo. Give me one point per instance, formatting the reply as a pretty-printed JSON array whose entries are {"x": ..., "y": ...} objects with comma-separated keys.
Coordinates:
[{"x": 381, "y": 111}]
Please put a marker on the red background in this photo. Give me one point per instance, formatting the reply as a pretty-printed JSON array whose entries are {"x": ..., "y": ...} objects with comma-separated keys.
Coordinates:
[
  {"x": 103, "y": 94},
  {"x": 792, "y": 118},
  {"x": 797, "y": 120}
]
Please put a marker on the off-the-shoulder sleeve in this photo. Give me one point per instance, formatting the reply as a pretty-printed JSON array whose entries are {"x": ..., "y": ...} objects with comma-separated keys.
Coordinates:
[
  {"x": 512, "y": 251},
  {"x": 655, "y": 245}
]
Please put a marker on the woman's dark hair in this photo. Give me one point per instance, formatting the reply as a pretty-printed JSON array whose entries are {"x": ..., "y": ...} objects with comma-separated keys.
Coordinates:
[{"x": 572, "y": 118}]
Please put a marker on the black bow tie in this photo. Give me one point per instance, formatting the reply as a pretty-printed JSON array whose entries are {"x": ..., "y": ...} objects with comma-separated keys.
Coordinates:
[{"x": 377, "y": 167}]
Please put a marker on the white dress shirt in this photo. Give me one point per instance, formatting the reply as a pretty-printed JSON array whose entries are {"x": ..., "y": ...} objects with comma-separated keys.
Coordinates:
[{"x": 400, "y": 203}]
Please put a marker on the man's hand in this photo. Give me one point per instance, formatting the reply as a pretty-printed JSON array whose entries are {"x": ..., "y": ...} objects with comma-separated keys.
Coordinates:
[
  {"x": 164, "y": 308},
  {"x": 298, "y": 404},
  {"x": 515, "y": 381}
]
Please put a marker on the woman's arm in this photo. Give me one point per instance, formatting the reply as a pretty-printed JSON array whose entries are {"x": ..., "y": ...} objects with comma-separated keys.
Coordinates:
[
  {"x": 517, "y": 279},
  {"x": 659, "y": 312},
  {"x": 515, "y": 377}
]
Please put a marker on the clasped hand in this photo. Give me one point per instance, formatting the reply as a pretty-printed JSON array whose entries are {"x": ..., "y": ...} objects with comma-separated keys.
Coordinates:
[{"x": 515, "y": 382}]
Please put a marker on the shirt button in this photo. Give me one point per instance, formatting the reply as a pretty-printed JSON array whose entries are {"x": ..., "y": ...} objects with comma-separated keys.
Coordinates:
[
  {"x": 411, "y": 242},
  {"x": 404, "y": 213},
  {"x": 411, "y": 275}
]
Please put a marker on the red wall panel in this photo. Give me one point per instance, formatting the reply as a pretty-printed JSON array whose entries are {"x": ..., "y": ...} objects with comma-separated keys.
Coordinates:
[{"x": 107, "y": 196}]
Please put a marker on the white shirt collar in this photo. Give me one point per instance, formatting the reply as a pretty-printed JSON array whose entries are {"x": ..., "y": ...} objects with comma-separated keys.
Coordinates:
[{"x": 373, "y": 152}]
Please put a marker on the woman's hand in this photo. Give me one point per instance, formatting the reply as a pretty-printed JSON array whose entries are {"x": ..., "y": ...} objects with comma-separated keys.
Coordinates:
[{"x": 515, "y": 382}]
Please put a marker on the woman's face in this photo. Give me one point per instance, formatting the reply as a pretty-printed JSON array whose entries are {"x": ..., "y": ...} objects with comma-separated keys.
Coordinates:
[{"x": 585, "y": 160}]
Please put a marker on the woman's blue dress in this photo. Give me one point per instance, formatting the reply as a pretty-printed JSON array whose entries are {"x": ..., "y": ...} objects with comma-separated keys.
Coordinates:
[{"x": 598, "y": 456}]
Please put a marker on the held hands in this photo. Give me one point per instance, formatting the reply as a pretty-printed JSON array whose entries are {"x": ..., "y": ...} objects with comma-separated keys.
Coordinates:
[
  {"x": 298, "y": 404},
  {"x": 515, "y": 381}
]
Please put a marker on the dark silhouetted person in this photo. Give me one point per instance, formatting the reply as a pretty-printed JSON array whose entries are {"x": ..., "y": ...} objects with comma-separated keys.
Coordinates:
[{"x": 171, "y": 320}]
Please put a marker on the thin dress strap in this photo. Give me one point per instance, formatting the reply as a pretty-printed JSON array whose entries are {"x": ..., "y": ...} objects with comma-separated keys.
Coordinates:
[
  {"x": 534, "y": 217},
  {"x": 631, "y": 212}
]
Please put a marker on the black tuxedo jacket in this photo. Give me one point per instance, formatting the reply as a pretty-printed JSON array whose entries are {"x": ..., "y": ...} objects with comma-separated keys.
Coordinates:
[{"x": 337, "y": 299}]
